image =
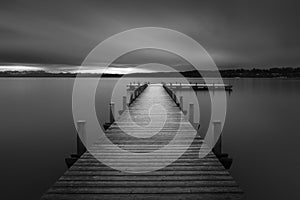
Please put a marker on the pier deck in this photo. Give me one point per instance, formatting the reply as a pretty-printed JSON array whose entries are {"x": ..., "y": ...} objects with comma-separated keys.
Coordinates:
[
  {"x": 188, "y": 86},
  {"x": 187, "y": 178}
]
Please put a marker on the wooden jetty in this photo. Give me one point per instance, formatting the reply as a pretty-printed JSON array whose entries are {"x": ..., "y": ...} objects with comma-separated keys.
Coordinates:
[
  {"x": 194, "y": 86},
  {"x": 187, "y": 178}
]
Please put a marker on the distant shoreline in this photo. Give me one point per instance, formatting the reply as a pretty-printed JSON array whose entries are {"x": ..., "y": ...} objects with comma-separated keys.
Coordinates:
[
  {"x": 73, "y": 77},
  {"x": 278, "y": 73}
]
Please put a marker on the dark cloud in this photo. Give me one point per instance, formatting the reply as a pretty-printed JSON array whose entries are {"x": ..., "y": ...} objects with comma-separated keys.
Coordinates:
[{"x": 235, "y": 33}]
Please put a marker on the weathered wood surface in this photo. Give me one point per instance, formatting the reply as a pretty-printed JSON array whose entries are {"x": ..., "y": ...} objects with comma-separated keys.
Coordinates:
[{"x": 187, "y": 178}]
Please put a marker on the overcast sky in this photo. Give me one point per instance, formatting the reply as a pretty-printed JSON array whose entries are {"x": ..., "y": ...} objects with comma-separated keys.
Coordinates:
[{"x": 235, "y": 33}]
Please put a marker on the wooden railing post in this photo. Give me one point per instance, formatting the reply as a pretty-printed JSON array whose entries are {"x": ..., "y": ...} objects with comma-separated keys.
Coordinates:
[
  {"x": 191, "y": 113},
  {"x": 217, "y": 132},
  {"x": 81, "y": 137},
  {"x": 124, "y": 102},
  {"x": 124, "y": 105},
  {"x": 131, "y": 99},
  {"x": 111, "y": 112},
  {"x": 181, "y": 102},
  {"x": 173, "y": 96}
]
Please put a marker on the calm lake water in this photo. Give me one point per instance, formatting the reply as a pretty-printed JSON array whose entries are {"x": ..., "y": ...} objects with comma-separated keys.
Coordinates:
[{"x": 261, "y": 133}]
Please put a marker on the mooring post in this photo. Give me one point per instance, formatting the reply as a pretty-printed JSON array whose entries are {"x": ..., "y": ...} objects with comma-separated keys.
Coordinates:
[
  {"x": 124, "y": 102},
  {"x": 81, "y": 137},
  {"x": 191, "y": 113},
  {"x": 173, "y": 96},
  {"x": 131, "y": 99},
  {"x": 112, "y": 112},
  {"x": 217, "y": 134},
  {"x": 124, "y": 105},
  {"x": 181, "y": 102}
]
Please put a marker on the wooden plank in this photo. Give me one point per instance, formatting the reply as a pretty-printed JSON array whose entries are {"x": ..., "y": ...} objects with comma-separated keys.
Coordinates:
[
  {"x": 126, "y": 183},
  {"x": 156, "y": 173},
  {"x": 134, "y": 168},
  {"x": 142, "y": 190},
  {"x": 216, "y": 176},
  {"x": 220, "y": 196}
]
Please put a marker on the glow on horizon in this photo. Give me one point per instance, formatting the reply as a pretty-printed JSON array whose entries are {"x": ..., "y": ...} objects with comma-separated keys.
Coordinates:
[
  {"x": 20, "y": 68},
  {"x": 112, "y": 70},
  {"x": 78, "y": 69}
]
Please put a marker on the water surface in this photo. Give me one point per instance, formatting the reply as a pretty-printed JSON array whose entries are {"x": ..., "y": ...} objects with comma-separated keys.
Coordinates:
[{"x": 261, "y": 133}]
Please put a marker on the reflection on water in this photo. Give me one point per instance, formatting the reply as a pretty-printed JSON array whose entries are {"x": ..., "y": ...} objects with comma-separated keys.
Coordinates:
[{"x": 260, "y": 133}]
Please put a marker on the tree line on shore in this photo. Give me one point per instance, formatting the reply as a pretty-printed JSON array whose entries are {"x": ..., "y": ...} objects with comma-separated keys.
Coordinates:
[{"x": 282, "y": 72}]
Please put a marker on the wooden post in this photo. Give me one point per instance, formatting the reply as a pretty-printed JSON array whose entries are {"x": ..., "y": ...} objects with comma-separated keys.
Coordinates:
[
  {"x": 175, "y": 98},
  {"x": 181, "y": 102},
  {"x": 217, "y": 131},
  {"x": 81, "y": 137},
  {"x": 112, "y": 112},
  {"x": 131, "y": 99},
  {"x": 124, "y": 102},
  {"x": 191, "y": 113}
]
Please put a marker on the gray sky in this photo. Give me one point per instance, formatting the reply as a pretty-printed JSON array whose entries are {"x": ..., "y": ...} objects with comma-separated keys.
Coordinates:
[{"x": 235, "y": 33}]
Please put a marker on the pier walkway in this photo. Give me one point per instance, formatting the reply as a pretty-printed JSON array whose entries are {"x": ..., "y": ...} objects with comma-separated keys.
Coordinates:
[{"x": 159, "y": 119}]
